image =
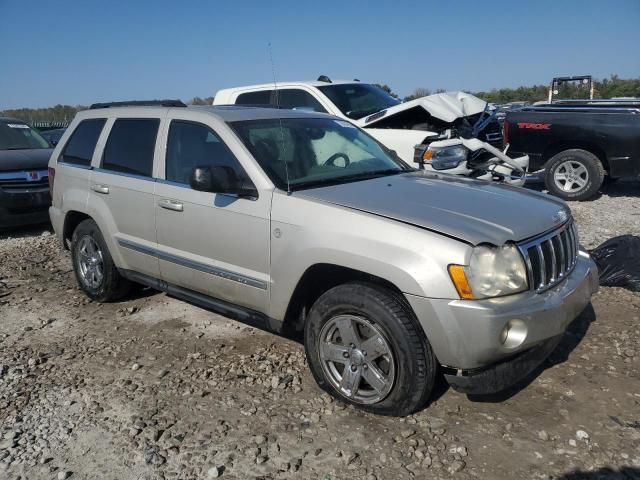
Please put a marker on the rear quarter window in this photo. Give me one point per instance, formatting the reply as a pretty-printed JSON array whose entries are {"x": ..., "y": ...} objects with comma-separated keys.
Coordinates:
[
  {"x": 80, "y": 147},
  {"x": 254, "y": 98},
  {"x": 131, "y": 146}
]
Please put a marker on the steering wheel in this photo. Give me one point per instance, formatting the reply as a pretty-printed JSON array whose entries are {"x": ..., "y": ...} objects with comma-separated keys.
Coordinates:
[{"x": 332, "y": 159}]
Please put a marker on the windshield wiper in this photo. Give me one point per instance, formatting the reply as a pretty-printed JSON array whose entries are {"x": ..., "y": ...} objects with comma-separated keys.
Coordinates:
[
  {"x": 358, "y": 114},
  {"x": 16, "y": 148},
  {"x": 376, "y": 173},
  {"x": 350, "y": 178}
]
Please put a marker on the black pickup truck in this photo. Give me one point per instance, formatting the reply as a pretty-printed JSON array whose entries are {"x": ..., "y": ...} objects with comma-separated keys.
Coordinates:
[{"x": 577, "y": 143}]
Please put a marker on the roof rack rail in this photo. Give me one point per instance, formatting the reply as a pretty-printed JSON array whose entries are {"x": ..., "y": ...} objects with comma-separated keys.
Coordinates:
[
  {"x": 254, "y": 105},
  {"x": 139, "y": 103}
]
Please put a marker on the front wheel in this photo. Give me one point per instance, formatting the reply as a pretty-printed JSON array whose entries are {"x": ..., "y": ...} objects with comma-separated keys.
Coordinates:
[
  {"x": 574, "y": 175},
  {"x": 364, "y": 346}
]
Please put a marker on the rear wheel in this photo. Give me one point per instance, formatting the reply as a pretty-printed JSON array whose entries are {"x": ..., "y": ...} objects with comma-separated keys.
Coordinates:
[
  {"x": 365, "y": 347},
  {"x": 93, "y": 266},
  {"x": 574, "y": 175}
]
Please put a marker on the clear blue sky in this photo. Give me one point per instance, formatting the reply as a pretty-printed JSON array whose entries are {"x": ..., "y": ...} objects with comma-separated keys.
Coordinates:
[{"x": 83, "y": 51}]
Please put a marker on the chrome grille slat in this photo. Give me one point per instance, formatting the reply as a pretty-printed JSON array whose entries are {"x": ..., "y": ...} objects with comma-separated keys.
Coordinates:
[
  {"x": 542, "y": 266},
  {"x": 554, "y": 265},
  {"x": 563, "y": 264},
  {"x": 572, "y": 242},
  {"x": 567, "y": 250},
  {"x": 551, "y": 257}
]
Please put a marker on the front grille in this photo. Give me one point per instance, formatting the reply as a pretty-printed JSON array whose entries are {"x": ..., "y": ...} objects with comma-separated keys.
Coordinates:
[
  {"x": 551, "y": 257},
  {"x": 19, "y": 182}
]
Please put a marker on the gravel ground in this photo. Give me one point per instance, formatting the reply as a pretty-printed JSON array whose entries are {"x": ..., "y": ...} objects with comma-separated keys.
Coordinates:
[{"x": 154, "y": 388}]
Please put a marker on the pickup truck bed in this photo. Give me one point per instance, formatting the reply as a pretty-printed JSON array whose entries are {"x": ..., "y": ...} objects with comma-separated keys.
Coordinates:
[{"x": 577, "y": 143}]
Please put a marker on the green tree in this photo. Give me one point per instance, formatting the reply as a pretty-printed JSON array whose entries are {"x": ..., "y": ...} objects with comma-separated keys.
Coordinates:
[
  {"x": 418, "y": 93},
  {"x": 387, "y": 89},
  {"x": 607, "y": 88},
  {"x": 201, "y": 101}
]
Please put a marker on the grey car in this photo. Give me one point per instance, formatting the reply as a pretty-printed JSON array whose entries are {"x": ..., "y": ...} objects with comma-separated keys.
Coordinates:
[{"x": 302, "y": 223}]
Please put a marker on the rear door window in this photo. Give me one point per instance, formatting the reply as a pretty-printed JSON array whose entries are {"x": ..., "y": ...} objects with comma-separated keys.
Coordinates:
[
  {"x": 130, "y": 147},
  {"x": 296, "y": 99},
  {"x": 80, "y": 147},
  {"x": 255, "y": 98}
]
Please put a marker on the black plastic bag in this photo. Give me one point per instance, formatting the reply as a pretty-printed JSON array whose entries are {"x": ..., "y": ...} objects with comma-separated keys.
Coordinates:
[{"x": 618, "y": 261}]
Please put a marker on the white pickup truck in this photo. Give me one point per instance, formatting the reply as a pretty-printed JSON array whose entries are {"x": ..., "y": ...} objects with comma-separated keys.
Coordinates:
[{"x": 451, "y": 132}]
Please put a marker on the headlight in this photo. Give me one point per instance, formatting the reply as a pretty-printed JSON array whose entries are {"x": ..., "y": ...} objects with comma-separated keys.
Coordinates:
[
  {"x": 443, "y": 158},
  {"x": 492, "y": 272}
]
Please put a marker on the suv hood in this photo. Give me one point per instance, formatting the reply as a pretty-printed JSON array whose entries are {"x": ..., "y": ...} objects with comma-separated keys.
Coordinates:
[
  {"x": 37, "y": 158},
  {"x": 469, "y": 210},
  {"x": 447, "y": 107}
]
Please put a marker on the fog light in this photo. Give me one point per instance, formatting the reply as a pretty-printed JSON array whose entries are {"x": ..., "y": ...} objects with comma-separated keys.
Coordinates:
[{"x": 513, "y": 334}]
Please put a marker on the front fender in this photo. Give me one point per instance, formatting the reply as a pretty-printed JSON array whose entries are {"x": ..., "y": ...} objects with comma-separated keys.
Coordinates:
[{"x": 310, "y": 232}]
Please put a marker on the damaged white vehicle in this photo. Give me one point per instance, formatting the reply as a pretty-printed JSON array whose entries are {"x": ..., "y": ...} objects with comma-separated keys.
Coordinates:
[{"x": 453, "y": 132}]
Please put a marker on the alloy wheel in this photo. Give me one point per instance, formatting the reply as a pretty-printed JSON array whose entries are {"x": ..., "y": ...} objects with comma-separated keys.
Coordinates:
[
  {"x": 90, "y": 262},
  {"x": 357, "y": 358},
  {"x": 571, "y": 176}
]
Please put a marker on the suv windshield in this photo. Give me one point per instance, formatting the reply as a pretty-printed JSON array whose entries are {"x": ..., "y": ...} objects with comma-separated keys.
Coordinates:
[
  {"x": 310, "y": 152},
  {"x": 20, "y": 136},
  {"x": 357, "y": 100}
]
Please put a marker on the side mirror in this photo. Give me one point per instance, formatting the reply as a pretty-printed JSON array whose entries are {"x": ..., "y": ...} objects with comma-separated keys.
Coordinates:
[
  {"x": 53, "y": 142},
  {"x": 220, "y": 179}
]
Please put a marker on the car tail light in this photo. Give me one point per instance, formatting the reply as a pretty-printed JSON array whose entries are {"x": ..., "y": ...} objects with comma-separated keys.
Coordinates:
[
  {"x": 505, "y": 132},
  {"x": 52, "y": 178}
]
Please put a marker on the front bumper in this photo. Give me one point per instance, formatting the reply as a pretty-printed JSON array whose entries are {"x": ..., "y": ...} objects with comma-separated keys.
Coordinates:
[
  {"x": 504, "y": 374},
  {"x": 466, "y": 335},
  {"x": 28, "y": 207}
]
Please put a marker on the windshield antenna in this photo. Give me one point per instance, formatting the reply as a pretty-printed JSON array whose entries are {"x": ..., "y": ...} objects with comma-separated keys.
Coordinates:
[{"x": 277, "y": 94}]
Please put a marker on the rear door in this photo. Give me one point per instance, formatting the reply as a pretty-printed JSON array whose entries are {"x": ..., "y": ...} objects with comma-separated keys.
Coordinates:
[
  {"x": 121, "y": 192},
  {"x": 216, "y": 244}
]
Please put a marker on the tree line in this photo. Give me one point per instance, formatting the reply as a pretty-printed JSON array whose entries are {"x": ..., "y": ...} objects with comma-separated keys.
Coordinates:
[
  {"x": 611, "y": 87},
  {"x": 65, "y": 113}
]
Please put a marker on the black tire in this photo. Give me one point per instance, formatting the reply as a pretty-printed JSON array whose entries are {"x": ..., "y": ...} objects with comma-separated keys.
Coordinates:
[
  {"x": 594, "y": 172},
  {"x": 415, "y": 363},
  {"x": 112, "y": 286}
]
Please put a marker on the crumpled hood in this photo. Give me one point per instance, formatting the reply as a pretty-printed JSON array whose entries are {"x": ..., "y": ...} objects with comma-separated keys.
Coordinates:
[
  {"x": 469, "y": 210},
  {"x": 33, "y": 159},
  {"x": 447, "y": 107}
]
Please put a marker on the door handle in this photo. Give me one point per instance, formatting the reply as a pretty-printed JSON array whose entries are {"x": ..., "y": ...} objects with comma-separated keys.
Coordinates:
[
  {"x": 100, "y": 189},
  {"x": 171, "y": 205}
]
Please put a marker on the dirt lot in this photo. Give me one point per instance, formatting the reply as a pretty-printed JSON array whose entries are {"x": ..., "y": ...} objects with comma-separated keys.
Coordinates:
[{"x": 154, "y": 388}]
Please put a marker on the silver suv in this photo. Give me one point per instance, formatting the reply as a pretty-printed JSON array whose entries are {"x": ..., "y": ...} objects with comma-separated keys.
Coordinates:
[{"x": 302, "y": 223}]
